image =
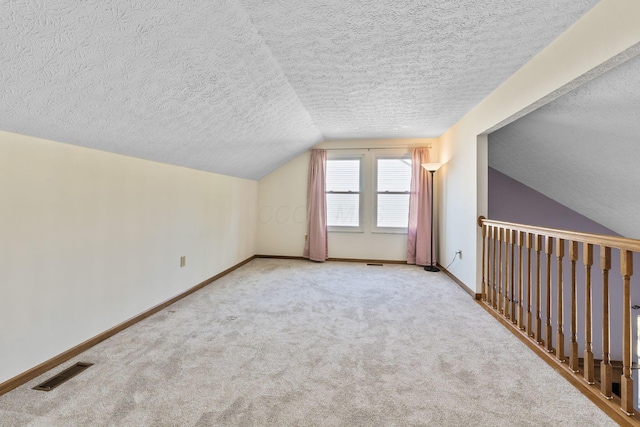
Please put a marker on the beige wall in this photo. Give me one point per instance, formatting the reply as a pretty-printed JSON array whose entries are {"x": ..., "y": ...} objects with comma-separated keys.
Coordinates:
[
  {"x": 608, "y": 29},
  {"x": 283, "y": 200},
  {"x": 90, "y": 239},
  {"x": 282, "y": 209}
]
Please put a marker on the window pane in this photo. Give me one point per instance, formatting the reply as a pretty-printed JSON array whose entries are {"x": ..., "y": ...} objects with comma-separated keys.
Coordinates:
[
  {"x": 343, "y": 175},
  {"x": 343, "y": 210},
  {"x": 394, "y": 174},
  {"x": 393, "y": 210}
]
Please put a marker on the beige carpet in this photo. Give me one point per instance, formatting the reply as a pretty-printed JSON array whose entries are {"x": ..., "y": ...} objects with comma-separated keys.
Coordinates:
[{"x": 281, "y": 342}]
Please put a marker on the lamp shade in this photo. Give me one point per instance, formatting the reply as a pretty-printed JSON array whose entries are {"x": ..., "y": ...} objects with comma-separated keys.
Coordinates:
[{"x": 431, "y": 167}]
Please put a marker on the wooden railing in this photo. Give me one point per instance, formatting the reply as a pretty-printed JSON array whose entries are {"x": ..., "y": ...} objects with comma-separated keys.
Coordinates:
[{"x": 514, "y": 287}]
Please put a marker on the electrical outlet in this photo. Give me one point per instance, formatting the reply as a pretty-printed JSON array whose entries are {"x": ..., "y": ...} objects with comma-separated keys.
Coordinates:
[
  {"x": 459, "y": 253},
  {"x": 183, "y": 261}
]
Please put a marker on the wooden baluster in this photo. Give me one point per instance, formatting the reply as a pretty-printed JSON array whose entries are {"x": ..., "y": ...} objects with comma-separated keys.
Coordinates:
[
  {"x": 529, "y": 314},
  {"x": 626, "y": 382},
  {"x": 512, "y": 293},
  {"x": 548, "y": 250},
  {"x": 560, "y": 334},
  {"x": 494, "y": 297},
  {"x": 520, "y": 288},
  {"x": 573, "y": 350},
  {"x": 587, "y": 256},
  {"x": 489, "y": 264},
  {"x": 538, "y": 331},
  {"x": 605, "y": 365},
  {"x": 484, "y": 257},
  {"x": 499, "y": 301},
  {"x": 507, "y": 272}
]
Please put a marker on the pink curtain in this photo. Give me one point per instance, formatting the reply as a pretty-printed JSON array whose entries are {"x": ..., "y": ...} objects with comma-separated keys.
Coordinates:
[
  {"x": 315, "y": 248},
  {"x": 418, "y": 233}
]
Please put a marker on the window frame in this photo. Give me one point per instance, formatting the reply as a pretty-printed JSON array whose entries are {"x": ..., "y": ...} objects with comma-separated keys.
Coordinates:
[
  {"x": 374, "y": 222},
  {"x": 346, "y": 228}
]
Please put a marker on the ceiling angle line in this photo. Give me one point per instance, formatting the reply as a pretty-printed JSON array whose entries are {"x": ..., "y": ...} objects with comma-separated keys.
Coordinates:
[{"x": 377, "y": 148}]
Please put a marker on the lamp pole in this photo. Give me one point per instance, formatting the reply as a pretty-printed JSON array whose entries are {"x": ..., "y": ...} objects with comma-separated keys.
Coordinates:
[
  {"x": 432, "y": 168},
  {"x": 431, "y": 267}
]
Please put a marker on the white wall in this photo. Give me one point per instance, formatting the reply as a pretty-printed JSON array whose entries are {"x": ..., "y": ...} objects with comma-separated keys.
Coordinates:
[
  {"x": 609, "y": 29},
  {"x": 283, "y": 200},
  {"x": 89, "y": 239}
]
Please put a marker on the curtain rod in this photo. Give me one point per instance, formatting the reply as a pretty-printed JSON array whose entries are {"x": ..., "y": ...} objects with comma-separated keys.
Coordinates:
[{"x": 377, "y": 148}]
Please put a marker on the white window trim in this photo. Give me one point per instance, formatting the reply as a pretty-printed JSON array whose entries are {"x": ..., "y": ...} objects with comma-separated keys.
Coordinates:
[
  {"x": 374, "y": 220},
  {"x": 360, "y": 227}
]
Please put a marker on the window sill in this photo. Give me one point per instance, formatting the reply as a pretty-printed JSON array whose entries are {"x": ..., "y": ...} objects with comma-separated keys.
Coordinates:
[
  {"x": 389, "y": 230},
  {"x": 336, "y": 229}
]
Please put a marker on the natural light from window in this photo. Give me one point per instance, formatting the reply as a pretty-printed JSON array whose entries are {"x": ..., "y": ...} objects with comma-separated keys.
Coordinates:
[
  {"x": 343, "y": 192},
  {"x": 392, "y": 190}
]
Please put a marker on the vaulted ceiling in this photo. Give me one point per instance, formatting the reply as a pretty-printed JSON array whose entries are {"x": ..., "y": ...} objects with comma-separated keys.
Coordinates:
[
  {"x": 240, "y": 87},
  {"x": 582, "y": 149}
]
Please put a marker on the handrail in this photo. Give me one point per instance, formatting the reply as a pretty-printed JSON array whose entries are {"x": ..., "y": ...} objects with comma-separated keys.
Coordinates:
[
  {"x": 540, "y": 320},
  {"x": 576, "y": 236}
]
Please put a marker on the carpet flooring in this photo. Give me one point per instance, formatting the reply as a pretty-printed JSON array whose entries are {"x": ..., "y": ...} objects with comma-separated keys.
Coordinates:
[{"x": 297, "y": 343}]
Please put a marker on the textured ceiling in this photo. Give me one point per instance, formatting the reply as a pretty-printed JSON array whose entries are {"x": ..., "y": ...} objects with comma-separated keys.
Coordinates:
[
  {"x": 583, "y": 149},
  {"x": 183, "y": 82},
  {"x": 239, "y": 87},
  {"x": 389, "y": 69}
]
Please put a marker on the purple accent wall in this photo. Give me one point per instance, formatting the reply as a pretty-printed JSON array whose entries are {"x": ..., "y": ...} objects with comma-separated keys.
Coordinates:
[{"x": 512, "y": 201}]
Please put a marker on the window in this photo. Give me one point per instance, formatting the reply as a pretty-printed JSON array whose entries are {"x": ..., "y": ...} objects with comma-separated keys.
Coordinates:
[
  {"x": 368, "y": 192},
  {"x": 393, "y": 185},
  {"x": 344, "y": 190}
]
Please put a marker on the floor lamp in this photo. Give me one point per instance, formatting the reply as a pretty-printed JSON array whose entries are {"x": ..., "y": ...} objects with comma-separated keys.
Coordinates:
[{"x": 432, "y": 168}]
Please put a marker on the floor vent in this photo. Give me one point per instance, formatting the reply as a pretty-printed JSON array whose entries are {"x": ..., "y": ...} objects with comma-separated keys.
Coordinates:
[
  {"x": 63, "y": 376},
  {"x": 374, "y": 264}
]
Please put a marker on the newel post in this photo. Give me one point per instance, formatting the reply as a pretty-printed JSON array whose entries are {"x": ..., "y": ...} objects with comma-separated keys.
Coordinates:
[{"x": 484, "y": 247}]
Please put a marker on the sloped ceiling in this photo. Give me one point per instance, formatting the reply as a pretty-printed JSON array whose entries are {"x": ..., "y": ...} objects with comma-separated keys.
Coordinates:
[
  {"x": 240, "y": 87},
  {"x": 582, "y": 150}
]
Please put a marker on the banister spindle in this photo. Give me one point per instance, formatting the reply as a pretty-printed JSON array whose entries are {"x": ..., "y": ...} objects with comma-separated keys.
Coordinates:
[
  {"x": 494, "y": 297},
  {"x": 489, "y": 263},
  {"x": 499, "y": 302},
  {"x": 548, "y": 341},
  {"x": 507, "y": 273},
  {"x": 538, "y": 330},
  {"x": 484, "y": 256},
  {"x": 605, "y": 365},
  {"x": 521, "y": 238},
  {"x": 587, "y": 256},
  {"x": 626, "y": 381},
  {"x": 573, "y": 350},
  {"x": 529, "y": 314},
  {"x": 512, "y": 293},
  {"x": 560, "y": 333}
]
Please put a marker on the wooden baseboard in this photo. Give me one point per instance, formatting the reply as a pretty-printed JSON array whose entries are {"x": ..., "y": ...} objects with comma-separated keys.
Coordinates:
[
  {"x": 361, "y": 260},
  {"x": 368, "y": 261},
  {"x": 460, "y": 283},
  {"x": 592, "y": 392},
  {"x": 281, "y": 257},
  {"x": 72, "y": 352}
]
